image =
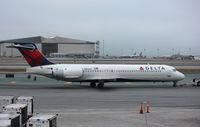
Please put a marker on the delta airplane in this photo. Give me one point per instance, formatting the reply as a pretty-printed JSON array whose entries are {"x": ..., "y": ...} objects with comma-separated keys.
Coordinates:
[{"x": 95, "y": 74}]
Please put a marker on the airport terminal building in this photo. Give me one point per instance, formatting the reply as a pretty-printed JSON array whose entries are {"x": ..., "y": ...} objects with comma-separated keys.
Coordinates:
[{"x": 54, "y": 47}]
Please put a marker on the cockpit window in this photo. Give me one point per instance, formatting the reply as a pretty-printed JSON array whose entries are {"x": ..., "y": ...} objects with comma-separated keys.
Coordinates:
[{"x": 174, "y": 70}]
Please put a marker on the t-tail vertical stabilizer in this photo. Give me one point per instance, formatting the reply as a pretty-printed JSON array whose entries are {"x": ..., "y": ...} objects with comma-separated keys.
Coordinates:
[{"x": 32, "y": 55}]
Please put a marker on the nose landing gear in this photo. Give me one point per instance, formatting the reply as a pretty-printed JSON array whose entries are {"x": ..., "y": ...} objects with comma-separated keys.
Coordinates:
[{"x": 174, "y": 84}]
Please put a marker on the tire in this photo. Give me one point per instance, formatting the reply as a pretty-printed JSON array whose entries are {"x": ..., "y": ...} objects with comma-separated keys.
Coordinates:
[
  {"x": 100, "y": 85},
  {"x": 92, "y": 84},
  {"x": 174, "y": 84}
]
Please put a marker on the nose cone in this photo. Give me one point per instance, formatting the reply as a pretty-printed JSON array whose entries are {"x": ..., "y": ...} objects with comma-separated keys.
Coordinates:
[{"x": 181, "y": 76}]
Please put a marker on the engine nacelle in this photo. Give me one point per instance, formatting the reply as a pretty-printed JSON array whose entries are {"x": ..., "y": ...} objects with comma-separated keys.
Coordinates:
[
  {"x": 73, "y": 73},
  {"x": 58, "y": 73},
  {"x": 68, "y": 73}
]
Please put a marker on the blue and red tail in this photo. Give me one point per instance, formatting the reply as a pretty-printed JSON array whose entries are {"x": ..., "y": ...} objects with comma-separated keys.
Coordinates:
[{"x": 32, "y": 55}]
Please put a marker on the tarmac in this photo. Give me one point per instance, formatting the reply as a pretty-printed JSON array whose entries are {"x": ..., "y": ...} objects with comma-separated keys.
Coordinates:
[{"x": 117, "y": 105}]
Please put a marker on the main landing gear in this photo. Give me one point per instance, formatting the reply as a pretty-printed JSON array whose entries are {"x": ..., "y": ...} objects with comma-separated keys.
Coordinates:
[
  {"x": 100, "y": 85},
  {"x": 93, "y": 84}
]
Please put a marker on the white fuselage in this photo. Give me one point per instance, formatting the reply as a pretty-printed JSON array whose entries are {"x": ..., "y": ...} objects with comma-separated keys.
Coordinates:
[{"x": 108, "y": 73}]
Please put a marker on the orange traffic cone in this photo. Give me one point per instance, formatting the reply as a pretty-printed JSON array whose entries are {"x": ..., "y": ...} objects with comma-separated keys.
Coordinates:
[
  {"x": 148, "y": 108},
  {"x": 141, "y": 109}
]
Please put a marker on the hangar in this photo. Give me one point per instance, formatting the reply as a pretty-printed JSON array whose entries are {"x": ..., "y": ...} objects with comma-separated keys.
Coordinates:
[{"x": 54, "y": 47}]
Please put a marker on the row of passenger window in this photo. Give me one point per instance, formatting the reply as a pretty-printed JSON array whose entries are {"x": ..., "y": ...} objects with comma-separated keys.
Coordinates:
[{"x": 119, "y": 71}]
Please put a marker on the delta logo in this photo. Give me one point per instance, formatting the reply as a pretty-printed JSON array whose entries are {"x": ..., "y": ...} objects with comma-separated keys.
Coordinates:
[{"x": 152, "y": 68}]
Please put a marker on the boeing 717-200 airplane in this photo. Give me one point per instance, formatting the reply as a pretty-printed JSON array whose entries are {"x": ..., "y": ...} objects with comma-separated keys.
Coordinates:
[{"x": 96, "y": 74}]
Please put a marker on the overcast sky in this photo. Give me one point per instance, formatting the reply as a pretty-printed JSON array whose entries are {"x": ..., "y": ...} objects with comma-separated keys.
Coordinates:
[{"x": 126, "y": 26}]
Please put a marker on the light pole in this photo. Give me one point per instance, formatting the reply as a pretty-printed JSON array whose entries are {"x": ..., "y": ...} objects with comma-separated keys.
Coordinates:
[
  {"x": 0, "y": 49},
  {"x": 189, "y": 51},
  {"x": 172, "y": 51},
  {"x": 158, "y": 52},
  {"x": 144, "y": 52},
  {"x": 103, "y": 48}
]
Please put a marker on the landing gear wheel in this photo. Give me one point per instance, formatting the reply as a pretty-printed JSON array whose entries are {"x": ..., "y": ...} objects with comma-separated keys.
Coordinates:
[
  {"x": 174, "y": 84},
  {"x": 101, "y": 85},
  {"x": 93, "y": 84}
]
